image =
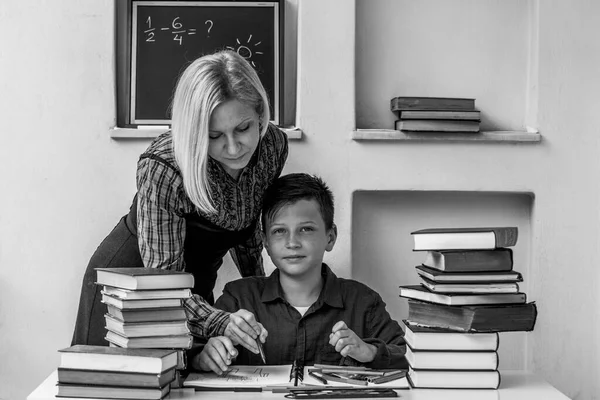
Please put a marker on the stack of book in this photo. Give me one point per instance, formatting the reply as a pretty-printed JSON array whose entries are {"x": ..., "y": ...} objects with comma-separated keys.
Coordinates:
[
  {"x": 436, "y": 114},
  {"x": 145, "y": 308},
  {"x": 469, "y": 292},
  {"x": 115, "y": 373}
]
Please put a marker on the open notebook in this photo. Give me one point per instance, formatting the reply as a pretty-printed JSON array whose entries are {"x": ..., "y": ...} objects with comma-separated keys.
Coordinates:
[{"x": 266, "y": 377}]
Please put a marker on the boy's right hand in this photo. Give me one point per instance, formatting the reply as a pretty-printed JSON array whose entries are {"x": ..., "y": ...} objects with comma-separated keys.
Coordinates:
[
  {"x": 243, "y": 329},
  {"x": 216, "y": 355}
]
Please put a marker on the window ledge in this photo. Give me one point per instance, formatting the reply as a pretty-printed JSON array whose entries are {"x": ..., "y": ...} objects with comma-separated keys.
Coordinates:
[
  {"x": 490, "y": 136},
  {"x": 150, "y": 133}
]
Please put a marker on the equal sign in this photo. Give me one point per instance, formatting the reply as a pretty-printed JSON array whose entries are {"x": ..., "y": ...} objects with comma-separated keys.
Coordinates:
[{"x": 192, "y": 31}]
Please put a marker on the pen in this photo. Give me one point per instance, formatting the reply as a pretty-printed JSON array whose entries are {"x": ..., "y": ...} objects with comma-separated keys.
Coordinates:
[
  {"x": 261, "y": 350},
  {"x": 317, "y": 377}
]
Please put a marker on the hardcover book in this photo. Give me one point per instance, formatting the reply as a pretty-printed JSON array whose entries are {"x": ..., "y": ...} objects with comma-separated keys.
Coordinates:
[
  {"x": 470, "y": 260},
  {"x": 144, "y": 278},
  {"x": 424, "y": 338},
  {"x": 435, "y": 114},
  {"x": 125, "y": 304},
  {"x": 454, "y": 379},
  {"x": 114, "y": 378},
  {"x": 111, "y": 392},
  {"x": 464, "y": 238},
  {"x": 418, "y": 292},
  {"x": 117, "y": 359},
  {"x": 128, "y": 294},
  {"x": 469, "y": 288},
  {"x": 402, "y": 103},
  {"x": 147, "y": 314},
  {"x": 489, "y": 318},
  {"x": 171, "y": 341},
  {"x": 142, "y": 329},
  {"x": 459, "y": 277},
  {"x": 452, "y": 360},
  {"x": 423, "y": 125}
]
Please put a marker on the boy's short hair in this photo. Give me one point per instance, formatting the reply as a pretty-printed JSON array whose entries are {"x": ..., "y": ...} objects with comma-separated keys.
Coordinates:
[{"x": 290, "y": 188}]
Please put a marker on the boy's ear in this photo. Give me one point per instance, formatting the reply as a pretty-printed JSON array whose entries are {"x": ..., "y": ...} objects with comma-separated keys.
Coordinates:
[
  {"x": 331, "y": 238},
  {"x": 264, "y": 240}
]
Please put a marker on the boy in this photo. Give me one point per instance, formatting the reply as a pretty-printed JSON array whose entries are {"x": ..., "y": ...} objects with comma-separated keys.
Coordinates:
[{"x": 310, "y": 314}]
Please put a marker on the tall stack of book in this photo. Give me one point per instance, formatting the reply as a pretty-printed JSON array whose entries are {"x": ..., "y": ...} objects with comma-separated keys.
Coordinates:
[
  {"x": 115, "y": 373},
  {"x": 145, "y": 309},
  {"x": 436, "y": 114},
  {"x": 469, "y": 293}
]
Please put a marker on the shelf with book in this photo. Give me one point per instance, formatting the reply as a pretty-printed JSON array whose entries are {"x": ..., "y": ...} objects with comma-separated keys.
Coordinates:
[{"x": 488, "y": 136}]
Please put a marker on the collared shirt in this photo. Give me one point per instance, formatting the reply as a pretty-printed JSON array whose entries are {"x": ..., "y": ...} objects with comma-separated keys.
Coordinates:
[
  {"x": 163, "y": 203},
  {"x": 306, "y": 338}
]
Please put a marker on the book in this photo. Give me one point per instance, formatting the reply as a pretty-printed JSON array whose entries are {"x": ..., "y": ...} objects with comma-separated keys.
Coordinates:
[
  {"x": 181, "y": 357},
  {"x": 144, "y": 278},
  {"x": 147, "y": 294},
  {"x": 452, "y": 360},
  {"x": 454, "y": 379},
  {"x": 474, "y": 115},
  {"x": 494, "y": 318},
  {"x": 419, "y": 292},
  {"x": 402, "y": 103},
  {"x": 438, "y": 125},
  {"x": 115, "y": 378},
  {"x": 470, "y": 260},
  {"x": 117, "y": 359},
  {"x": 147, "y": 314},
  {"x": 423, "y": 338},
  {"x": 141, "y": 329},
  {"x": 111, "y": 392},
  {"x": 440, "y": 276},
  {"x": 464, "y": 238},
  {"x": 137, "y": 304},
  {"x": 171, "y": 341},
  {"x": 484, "y": 287}
]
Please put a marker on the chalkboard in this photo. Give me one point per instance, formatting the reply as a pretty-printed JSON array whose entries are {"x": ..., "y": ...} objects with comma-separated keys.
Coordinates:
[{"x": 165, "y": 36}]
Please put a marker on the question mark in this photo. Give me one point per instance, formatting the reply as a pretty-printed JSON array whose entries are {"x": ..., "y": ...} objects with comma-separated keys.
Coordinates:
[{"x": 211, "y": 25}]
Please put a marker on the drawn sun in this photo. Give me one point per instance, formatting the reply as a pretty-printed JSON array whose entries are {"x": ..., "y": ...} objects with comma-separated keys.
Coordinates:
[{"x": 246, "y": 50}]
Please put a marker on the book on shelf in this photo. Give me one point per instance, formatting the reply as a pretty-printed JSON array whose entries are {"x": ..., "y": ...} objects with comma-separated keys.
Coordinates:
[
  {"x": 144, "y": 278},
  {"x": 489, "y": 318},
  {"x": 170, "y": 341},
  {"x": 115, "y": 378},
  {"x": 419, "y": 292},
  {"x": 402, "y": 103},
  {"x": 454, "y": 379},
  {"x": 111, "y": 392},
  {"x": 141, "y": 329},
  {"x": 499, "y": 259},
  {"x": 473, "y": 115},
  {"x": 464, "y": 238},
  {"x": 424, "y": 338},
  {"x": 469, "y": 288},
  {"x": 438, "y": 125},
  {"x": 147, "y": 314},
  {"x": 137, "y": 304},
  {"x": 117, "y": 359},
  {"x": 452, "y": 360},
  {"x": 464, "y": 277},
  {"x": 129, "y": 294}
]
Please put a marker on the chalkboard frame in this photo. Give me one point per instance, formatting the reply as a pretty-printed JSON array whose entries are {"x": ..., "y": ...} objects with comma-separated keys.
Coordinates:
[{"x": 124, "y": 60}]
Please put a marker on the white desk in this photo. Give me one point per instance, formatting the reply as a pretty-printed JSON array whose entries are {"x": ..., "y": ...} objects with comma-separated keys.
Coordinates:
[{"x": 515, "y": 385}]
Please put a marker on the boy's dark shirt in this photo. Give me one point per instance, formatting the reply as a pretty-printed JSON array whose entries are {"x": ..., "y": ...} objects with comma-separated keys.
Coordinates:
[{"x": 306, "y": 338}]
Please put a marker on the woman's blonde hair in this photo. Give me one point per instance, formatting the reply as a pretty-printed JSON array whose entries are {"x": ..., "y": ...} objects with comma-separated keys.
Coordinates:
[{"x": 205, "y": 84}]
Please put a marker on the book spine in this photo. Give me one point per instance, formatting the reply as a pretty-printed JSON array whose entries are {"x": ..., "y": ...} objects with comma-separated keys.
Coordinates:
[
  {"x": 478, "y": 261},
  {"x": 506, "y": 237}
]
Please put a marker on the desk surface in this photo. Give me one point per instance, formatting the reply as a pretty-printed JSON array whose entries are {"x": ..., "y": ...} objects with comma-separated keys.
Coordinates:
[{"x": 515, "y": 385}]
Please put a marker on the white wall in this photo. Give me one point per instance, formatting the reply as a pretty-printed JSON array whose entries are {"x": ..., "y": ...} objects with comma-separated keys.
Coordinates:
[{"x": 65, "y": 183}]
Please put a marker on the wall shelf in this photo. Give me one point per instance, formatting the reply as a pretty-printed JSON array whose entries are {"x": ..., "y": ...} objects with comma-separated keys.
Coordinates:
[
  {"x": 150, "y": 133},
  {"x": 490, "y": 136}
]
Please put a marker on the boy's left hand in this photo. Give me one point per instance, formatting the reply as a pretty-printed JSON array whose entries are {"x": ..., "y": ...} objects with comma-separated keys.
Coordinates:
[{"x": 348, "y": 344}]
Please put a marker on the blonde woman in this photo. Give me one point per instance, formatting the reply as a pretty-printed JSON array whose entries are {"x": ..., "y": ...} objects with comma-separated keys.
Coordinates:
[{"x": 199, "y": 195}]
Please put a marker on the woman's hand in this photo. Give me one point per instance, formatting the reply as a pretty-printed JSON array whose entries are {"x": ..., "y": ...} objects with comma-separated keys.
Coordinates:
[
  {"x": 216, "y": 355},
  {"x": 243, "y": 329},
  {"x": 347, "y": 343}
]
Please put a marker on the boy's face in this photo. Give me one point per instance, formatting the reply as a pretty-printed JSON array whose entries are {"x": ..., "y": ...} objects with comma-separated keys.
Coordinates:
[{"x": 296, "y": 238}]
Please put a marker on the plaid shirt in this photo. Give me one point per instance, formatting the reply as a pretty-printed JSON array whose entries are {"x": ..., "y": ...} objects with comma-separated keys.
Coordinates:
[{"x": 163, "y": 203}]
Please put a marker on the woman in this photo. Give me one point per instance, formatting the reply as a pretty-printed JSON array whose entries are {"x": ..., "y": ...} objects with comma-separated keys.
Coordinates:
[{"x": 199, "y": 195}]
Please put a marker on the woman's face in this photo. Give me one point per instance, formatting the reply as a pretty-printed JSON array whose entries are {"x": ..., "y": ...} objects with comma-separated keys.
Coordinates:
[{"x": 233, "y": 135}]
